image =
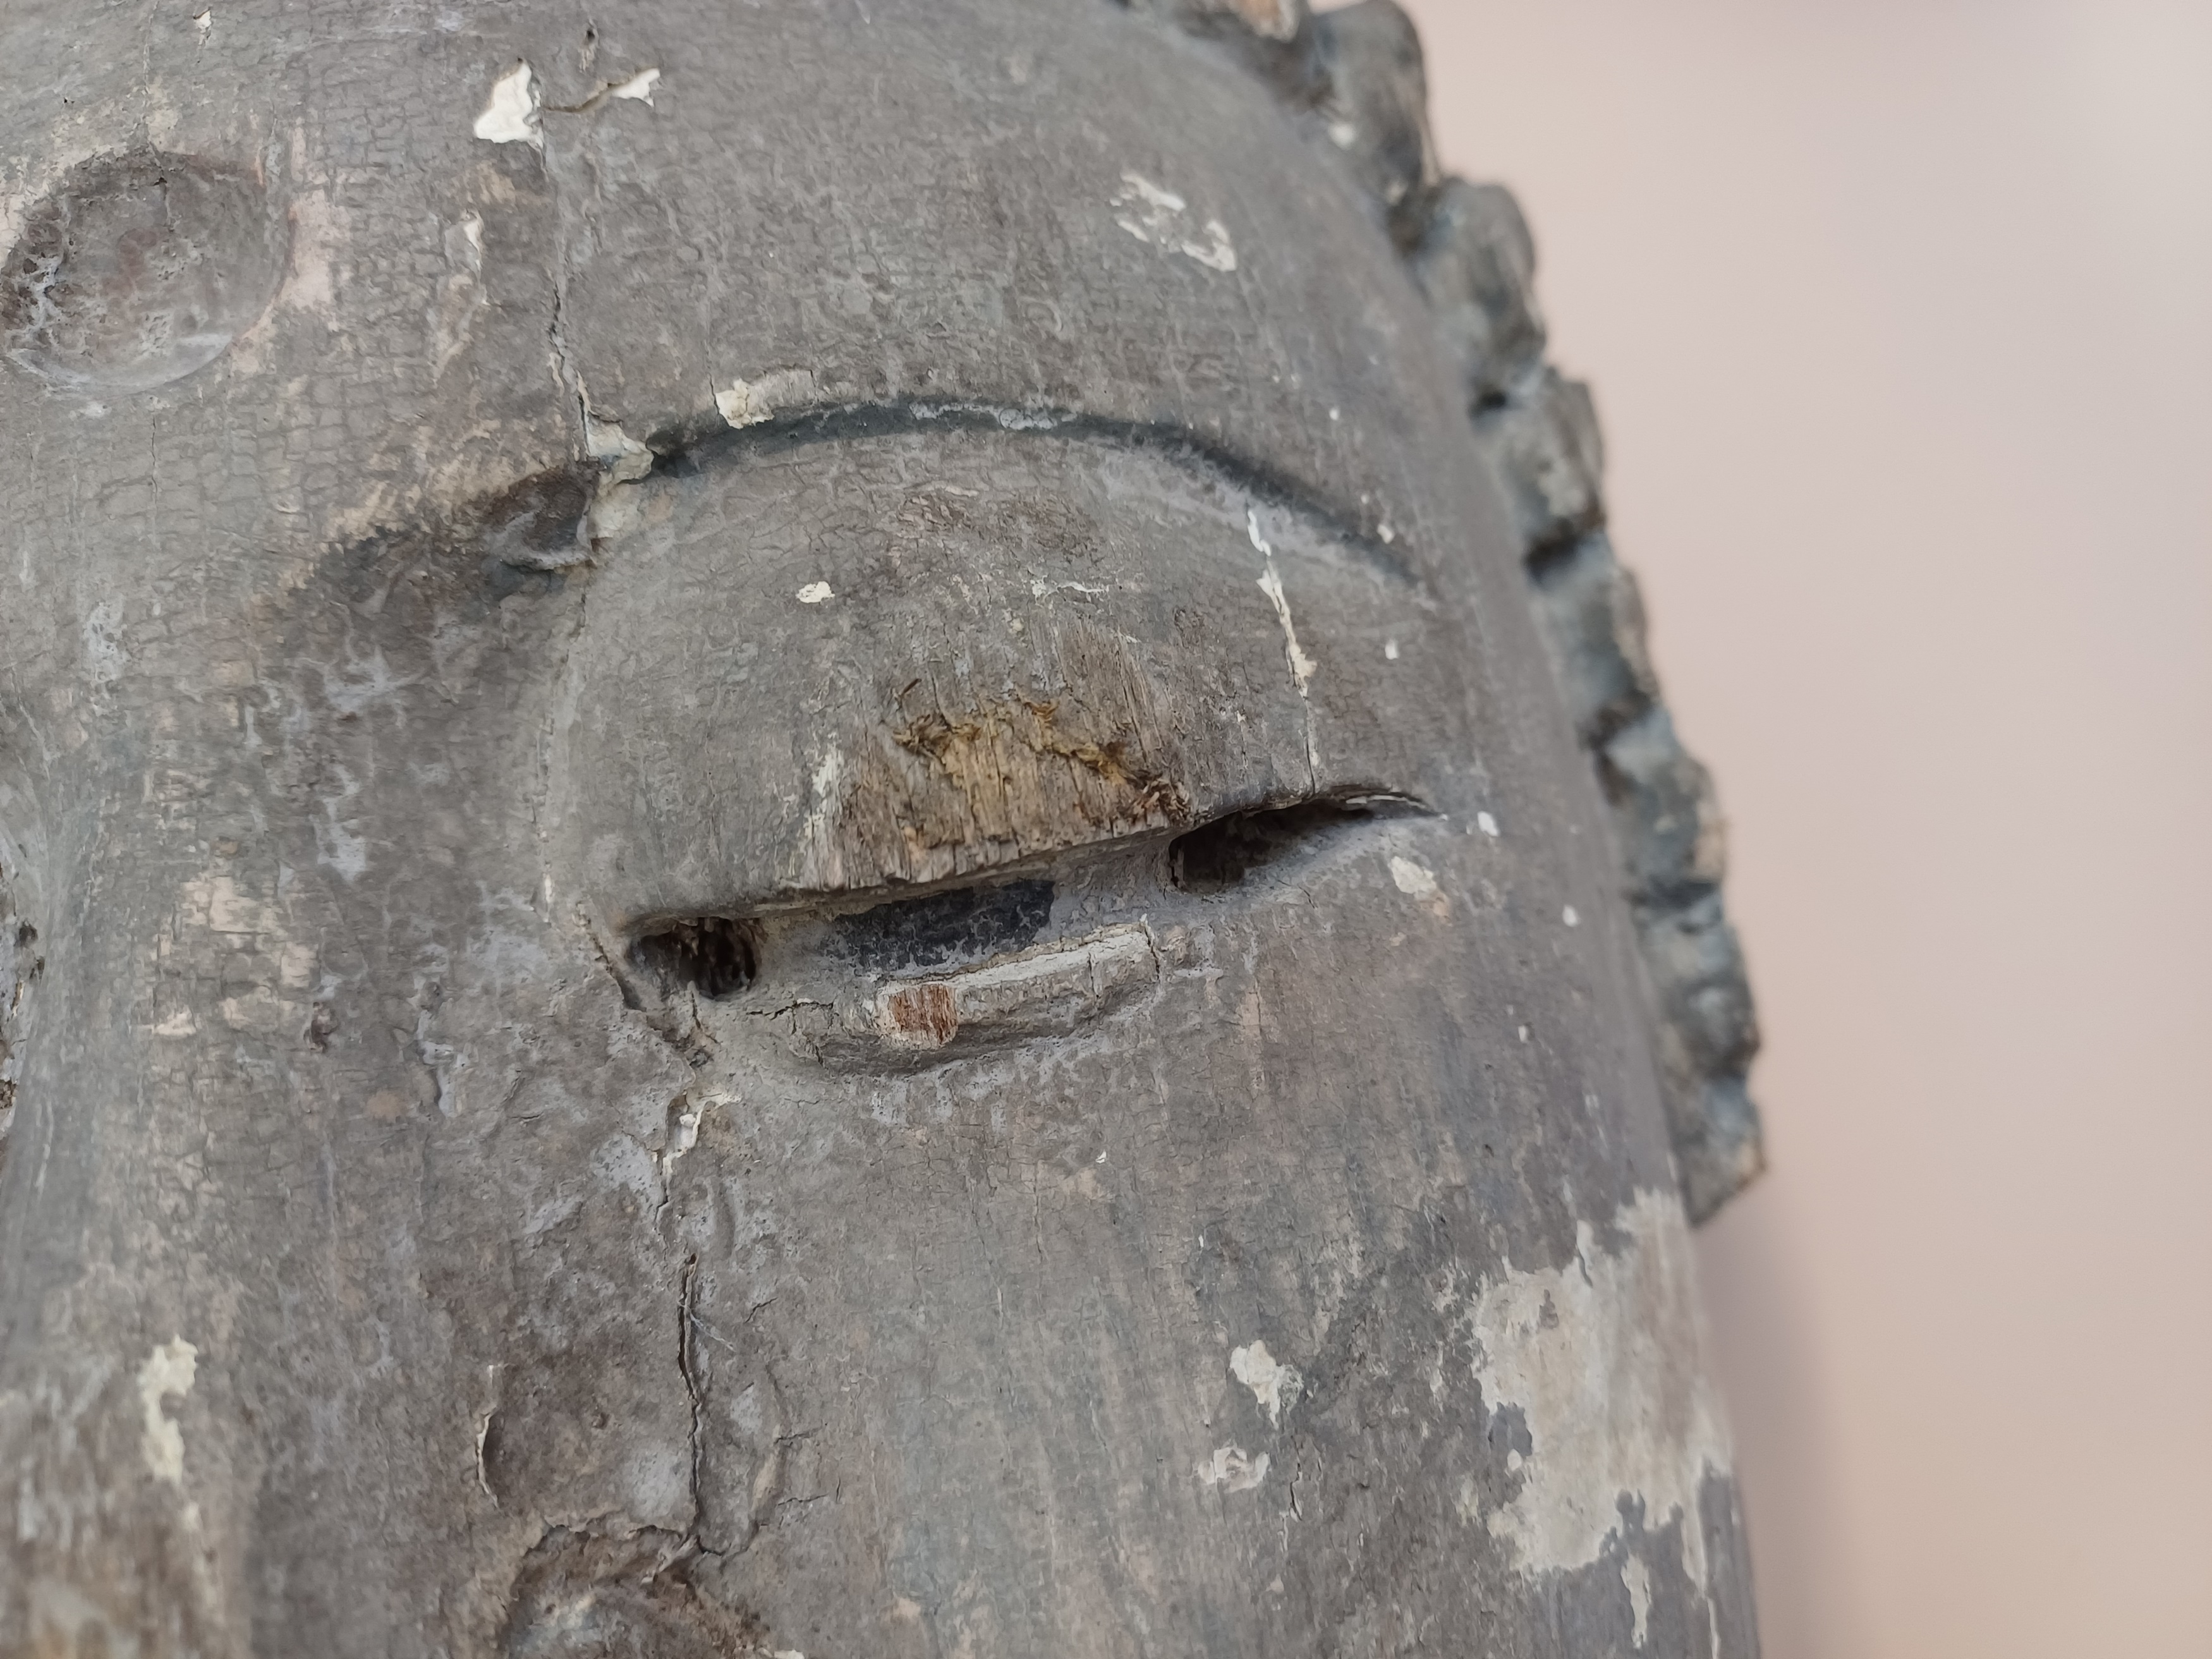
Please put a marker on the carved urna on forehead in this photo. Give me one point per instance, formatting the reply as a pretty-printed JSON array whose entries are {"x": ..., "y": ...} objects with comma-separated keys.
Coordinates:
[{"x": 788, "y": 864}]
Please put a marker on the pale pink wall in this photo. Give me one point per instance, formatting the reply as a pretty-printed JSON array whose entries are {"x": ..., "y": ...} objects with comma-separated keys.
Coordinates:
[{"x": 1900, "y": 319}]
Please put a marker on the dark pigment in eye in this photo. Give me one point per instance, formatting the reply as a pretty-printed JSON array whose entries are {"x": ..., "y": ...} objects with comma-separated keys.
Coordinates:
[
  {"x": 965, "y": 923},
  {"x": 1218, "y": 855},
  {"x": 714, "y": 955}
]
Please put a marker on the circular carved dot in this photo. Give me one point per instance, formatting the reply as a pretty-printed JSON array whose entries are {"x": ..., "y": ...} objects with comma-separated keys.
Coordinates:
[{"x": 137, "y": 269}]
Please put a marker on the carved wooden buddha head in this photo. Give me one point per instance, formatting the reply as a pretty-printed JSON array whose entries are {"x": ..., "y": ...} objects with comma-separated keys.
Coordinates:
[{"x": 794, "y": 867}]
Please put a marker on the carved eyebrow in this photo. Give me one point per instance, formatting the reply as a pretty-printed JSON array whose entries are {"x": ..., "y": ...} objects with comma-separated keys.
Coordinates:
[{"x": 706, "y": 442}]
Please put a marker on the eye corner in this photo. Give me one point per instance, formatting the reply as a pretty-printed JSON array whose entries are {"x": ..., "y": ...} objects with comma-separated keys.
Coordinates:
[
  {"x": 1219, "y": 855},
  {"x": 713, "y": 956}
]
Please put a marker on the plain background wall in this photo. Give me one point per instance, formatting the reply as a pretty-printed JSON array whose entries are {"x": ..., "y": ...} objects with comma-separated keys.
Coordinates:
[{"x": 1900, "y": 317}]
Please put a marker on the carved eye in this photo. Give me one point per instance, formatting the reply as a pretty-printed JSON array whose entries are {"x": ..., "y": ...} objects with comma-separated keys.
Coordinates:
[
  {"x": 717, "y": 956},
  {"x": 952, "y": 931}
]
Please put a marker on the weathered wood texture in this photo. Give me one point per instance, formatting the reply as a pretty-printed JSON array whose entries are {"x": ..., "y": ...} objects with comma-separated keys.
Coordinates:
[{"x": 787, "y": 863}]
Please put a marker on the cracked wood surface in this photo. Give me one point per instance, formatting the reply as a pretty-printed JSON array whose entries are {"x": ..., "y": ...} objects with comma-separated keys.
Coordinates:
[{"x": 780, "y": 875}]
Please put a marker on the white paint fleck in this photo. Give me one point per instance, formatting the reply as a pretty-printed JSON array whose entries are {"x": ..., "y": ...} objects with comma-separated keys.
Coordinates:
[
  {"x": 483, "y": 1436},
  {"x": 1153, "y": 215},
  {"x": 683, "y": 1136},
  {"x": 1635, "y": 1579},
  {"x": 1412, "y": 879},
  {"x": 1274, "y": 1385},
  {"x": 103, "y": 644},
  {"x": 510, "y": 116},
  {"x": 1229, "y": 1468},
  {"x": 1335, "y": 414},
  {"x": 1487, "y": 824},
  {"x": 1523, "y": 1031},
  {"x": 1602, "y": 1358},
  {"x": 179, "y": 1024},
  {"x": 168, "y": 1371},
  {"x": 1019, "y": 420},
  {"x": 623, "y": 456},
  {"x": 1343, "y": 134},
  {"x": 815, "y": 593},
  {"x": 203, "y": 21},
  {"x": 638, "y": 87},
  {"x": 1217, "y": 253},
  {"x": 337, "y": 845},
  {"x": 819, "y": 854},
  {"x": 1135, "y": 187},
  {"x": 1388, "y": 534},
  {"x": 1271, "y": 584},
  {"x": 748, "y": 403},
  {"x": 1390, "y": 650},
  {"x": 1570, "y": 917}
]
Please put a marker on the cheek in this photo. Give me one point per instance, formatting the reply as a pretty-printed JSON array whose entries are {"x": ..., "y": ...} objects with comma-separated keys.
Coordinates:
[
  {"x": 1327, "y": 1072},
  {"x": 549, "y": 1250}
]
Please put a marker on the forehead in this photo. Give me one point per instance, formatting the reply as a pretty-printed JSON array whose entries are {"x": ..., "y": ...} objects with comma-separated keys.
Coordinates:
[
  {"x": 1043, "y": 209},
  {"x": 1040, "y": 210}
]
